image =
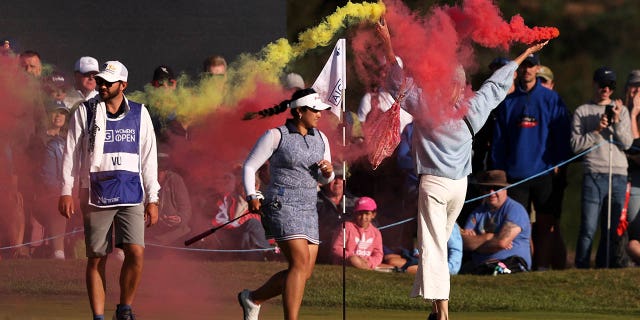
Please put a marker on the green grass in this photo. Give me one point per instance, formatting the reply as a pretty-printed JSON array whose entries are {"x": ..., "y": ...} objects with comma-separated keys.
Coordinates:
[{"x": 46, "y": 289}]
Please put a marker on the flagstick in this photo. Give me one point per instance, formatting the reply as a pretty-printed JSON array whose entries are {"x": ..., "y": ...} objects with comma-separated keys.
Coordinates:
[{"x": 344, "y": 210}]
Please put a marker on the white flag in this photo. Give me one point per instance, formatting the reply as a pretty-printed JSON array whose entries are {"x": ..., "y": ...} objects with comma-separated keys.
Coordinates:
[{"x": 332, "y": 81}]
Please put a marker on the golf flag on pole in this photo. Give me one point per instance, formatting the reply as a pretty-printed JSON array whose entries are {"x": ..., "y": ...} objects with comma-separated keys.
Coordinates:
[{"x": 332, "y": 81}]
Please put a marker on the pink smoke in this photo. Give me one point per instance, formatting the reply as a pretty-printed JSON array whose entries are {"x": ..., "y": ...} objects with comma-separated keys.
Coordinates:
[{"x": 433, "y": 46}]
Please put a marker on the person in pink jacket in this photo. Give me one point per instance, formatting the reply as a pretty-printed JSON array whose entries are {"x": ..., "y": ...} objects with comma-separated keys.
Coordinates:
[{"x": 363, "y": 240}]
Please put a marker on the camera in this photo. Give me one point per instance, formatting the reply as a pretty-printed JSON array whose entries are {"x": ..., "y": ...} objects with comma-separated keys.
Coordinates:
[{"x": 608, "y": 111}]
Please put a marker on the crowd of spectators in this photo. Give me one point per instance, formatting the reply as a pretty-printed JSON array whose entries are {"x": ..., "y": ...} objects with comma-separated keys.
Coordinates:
[{"x": 519, "y": 157}]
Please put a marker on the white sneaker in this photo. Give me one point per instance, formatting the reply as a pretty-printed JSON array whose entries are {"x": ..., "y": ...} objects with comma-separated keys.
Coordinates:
[
  {"x": 58, "y": 255},
  {"x": 250, "y": 310}
]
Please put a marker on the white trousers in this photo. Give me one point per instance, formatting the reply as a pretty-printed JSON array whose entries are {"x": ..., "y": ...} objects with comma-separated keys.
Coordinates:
[{"x": 440, "y": 201}]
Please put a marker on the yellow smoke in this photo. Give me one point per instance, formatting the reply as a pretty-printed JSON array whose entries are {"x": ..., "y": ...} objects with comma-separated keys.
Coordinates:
[{"x": 190, "y": 103}]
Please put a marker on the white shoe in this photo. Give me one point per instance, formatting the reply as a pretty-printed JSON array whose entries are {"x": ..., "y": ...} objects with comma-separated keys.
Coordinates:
[
  {"x": 250, "y": 310},
  {"x": 58, "y": 255}
]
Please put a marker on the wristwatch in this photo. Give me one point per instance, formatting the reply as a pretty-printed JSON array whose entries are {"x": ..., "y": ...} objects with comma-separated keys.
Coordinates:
[{"x": 252, "y": 197}]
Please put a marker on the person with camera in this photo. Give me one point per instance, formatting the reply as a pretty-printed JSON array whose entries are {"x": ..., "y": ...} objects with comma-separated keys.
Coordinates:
[
  {"x": 299, "y": 158},
  {"x": 595, "y": 123}
]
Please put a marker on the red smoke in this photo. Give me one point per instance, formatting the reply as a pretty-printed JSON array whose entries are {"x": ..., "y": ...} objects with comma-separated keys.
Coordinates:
[
  {"x": 433, "y": 46},
  {"x": 482, "y": 21},
  {"x": 222, "y": 140}
]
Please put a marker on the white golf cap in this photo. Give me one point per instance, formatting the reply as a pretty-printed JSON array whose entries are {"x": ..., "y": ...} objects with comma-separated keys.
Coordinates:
[
  {"x": 312, "y": 101},
  {"x": 87, "y": 64},
  {"x": 113, "y": 71}
]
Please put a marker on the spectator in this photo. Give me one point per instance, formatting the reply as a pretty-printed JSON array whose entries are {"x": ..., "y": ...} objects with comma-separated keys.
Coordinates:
[
  {"x": 407, "y": 261},
  {"x": 84, "y": 71},
  {"x": 55, "y": 86},
  {"x": 174, "y": 206},
  {"x": 332, "y": 198},
  {"x": 632, "y": 101},
  {"x": 499, "y": 228},
  {"x": 215, "y": 65},
  {"x": 163, "y": 114},
  {"x": 163, "y": 77},
  {"x": 293, "y": 82},
  {"x": 481, "y": 158},
  {"x": 31, "y": 63},
  {"x": 12, "y": 221},
  {"x": 363, "y": 247},
  {"x": 5, "y": 49},
  {"x": 546, "y": 77},
  {"x": 633, "y": 248},
  {"x": 229, "y": 203},
  {"x": 50, "y": 177},
  {"x": 594, "y": 123},
  {"x": 532, "y": 135}
]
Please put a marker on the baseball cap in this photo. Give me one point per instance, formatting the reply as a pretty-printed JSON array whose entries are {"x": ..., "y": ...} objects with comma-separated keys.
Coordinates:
[
  {"x": 113, "y": 71},
  {"x": 634, "y": 77},
  {"x": 57, "y": 105},
  {"x": 497, "y": 63},
  {"x": 533, "y": 59},
  {"x": 311, "y": 100},
  {"x": 55, "y": 80},
  {"x": 163, "y": 72},
  {"x": 293, "y": 81},
  {"x": 604, "y": 75},
  {"x": 87, "y": 64},
  {"x": 546, "y": 73},
  {"x": 365, "y": 204}
]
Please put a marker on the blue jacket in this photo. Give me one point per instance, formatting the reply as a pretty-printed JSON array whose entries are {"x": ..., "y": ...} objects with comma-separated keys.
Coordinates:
[{"x": 531, "y": 133}]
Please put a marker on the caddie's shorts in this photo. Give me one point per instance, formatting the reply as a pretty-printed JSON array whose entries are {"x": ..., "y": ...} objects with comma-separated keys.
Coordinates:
[{"x": 100, "y": 224}]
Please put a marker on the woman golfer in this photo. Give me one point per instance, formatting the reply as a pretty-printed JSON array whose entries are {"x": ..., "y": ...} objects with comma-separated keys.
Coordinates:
[{"x": 299, "y": 159}]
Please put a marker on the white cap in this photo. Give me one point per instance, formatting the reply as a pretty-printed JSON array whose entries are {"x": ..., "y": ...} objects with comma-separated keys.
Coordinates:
[
  {"x": 293, "y": 81},
  {"x": 113, "y": 71},
  {"x": 87, "y": 64},
  {"x": 312, "y": 101}
]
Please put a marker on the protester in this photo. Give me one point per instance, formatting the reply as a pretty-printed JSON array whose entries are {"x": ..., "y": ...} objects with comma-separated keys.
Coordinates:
[
  {"x": 499, "y": 228},
  {"x": 111, "y": 141},
  {"x": 443, "y": 161},
  {"x": 594, "y": 123},
  {"x": 299, "y": 158}
]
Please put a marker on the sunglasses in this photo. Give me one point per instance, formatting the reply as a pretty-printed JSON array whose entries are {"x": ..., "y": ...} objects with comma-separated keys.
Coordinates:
[{"x": 100, "y": 82}]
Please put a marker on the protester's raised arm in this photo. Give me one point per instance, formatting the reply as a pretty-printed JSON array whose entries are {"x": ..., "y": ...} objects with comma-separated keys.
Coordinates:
[{"x": 530, "y": 50}]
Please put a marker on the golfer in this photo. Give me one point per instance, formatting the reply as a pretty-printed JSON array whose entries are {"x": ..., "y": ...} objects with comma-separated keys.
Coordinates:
[{"x": 299, "y": 159}]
